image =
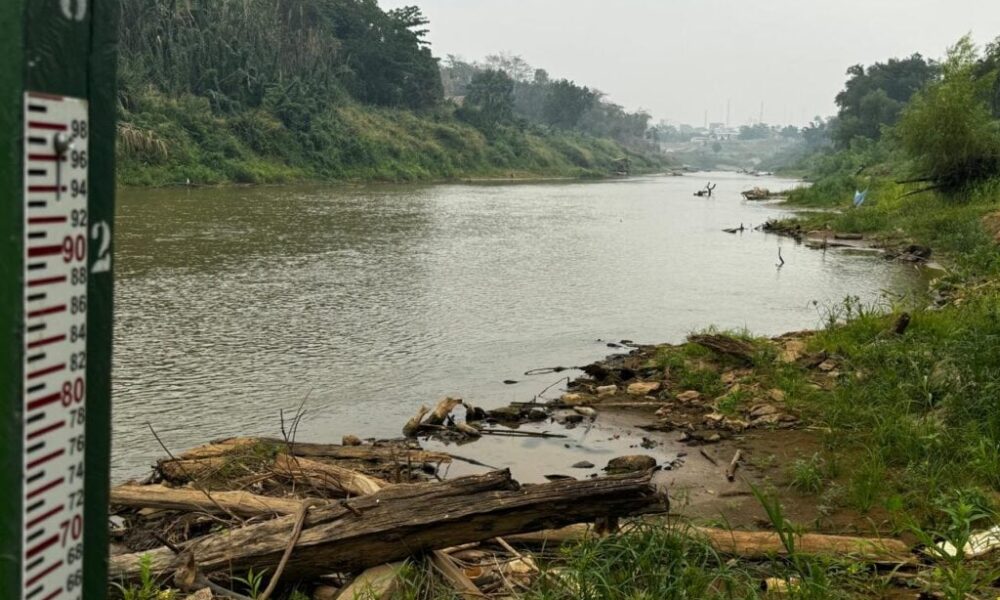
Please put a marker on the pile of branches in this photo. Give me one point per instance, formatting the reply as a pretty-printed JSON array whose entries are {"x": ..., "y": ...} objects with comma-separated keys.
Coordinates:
[{"x": 343, "y": 516}]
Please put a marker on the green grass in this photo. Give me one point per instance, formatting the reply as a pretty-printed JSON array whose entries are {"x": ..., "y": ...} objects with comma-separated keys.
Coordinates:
[
  {"x": 806, "y": 475},
  {"x": 173, "y": 140}
]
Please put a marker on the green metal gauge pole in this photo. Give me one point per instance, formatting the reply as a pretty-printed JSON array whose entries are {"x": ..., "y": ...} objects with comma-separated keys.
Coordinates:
[{"x": 57, "y": 184}]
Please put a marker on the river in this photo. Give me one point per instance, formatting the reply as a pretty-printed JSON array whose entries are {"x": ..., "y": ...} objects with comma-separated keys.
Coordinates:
[{"x": 363, "y": 302}]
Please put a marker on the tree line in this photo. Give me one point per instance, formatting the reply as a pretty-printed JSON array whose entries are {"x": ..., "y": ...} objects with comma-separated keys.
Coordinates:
[
  {"x": 505, "y": 90},
  {"x": 288, "y": 55},
  {"x": 942, "y": 117}
]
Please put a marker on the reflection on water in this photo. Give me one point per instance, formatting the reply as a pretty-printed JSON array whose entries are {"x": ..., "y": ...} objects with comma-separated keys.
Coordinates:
[{"x": 365, "y": 302}]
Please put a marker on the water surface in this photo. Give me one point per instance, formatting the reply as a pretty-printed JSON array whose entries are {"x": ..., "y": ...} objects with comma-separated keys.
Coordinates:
[{"x": 365, "y": 302}]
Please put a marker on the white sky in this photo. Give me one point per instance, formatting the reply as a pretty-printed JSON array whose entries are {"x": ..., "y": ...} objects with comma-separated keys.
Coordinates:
[{"x": 677, "y": 58}]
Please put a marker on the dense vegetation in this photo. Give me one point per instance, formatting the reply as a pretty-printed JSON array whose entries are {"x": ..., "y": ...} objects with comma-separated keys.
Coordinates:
[
  {"x": 263, "y": 91},
  {"x": 507, "y": 86}
]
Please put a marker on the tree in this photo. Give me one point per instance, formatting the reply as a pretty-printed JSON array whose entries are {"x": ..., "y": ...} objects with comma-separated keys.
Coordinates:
[
  {"x": 566, "y": 102},
  {"x": 948, "y": 130},
  {"x": 716, "y": 147},
  {"x": 875, "y": 97},
  {"x": 790, "y": 132},
  {"x": 759, "y": 131},
  {"x": 389, "y": 61},
  {"x": 513, "y": 65},
  {"x": 489, "y": 100},
  {"x": 456, "y": 75},
  {"x": 817, "y": 133},
  {"x": 988, "y": 68}
]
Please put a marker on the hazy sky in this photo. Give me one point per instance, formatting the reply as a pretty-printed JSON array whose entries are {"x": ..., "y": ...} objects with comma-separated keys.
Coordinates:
[{"x": 678, "y": 58}]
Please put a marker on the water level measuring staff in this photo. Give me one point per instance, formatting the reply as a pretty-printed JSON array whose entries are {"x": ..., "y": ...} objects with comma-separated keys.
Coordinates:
[{"x": 57, "y": 184}]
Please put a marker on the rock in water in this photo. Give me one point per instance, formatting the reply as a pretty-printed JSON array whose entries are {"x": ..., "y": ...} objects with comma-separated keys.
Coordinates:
[
  {"x": 630, "y": 464},
  {"x": 583, "y": 464},
  {"x": 351, "y": 440}
]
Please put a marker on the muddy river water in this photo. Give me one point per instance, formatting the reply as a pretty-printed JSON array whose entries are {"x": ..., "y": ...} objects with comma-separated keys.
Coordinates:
[{"x": 365, "y": 302}]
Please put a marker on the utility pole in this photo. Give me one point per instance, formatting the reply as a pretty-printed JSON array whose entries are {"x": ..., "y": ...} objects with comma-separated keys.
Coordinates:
[{"x": 57, "y": 182}]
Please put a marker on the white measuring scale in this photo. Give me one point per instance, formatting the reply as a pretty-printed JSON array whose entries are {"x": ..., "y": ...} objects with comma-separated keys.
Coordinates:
[{"x": 55, "y": 349}]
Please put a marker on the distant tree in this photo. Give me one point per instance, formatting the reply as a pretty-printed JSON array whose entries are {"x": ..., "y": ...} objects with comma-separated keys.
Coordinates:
[
  {"x": 566, "y": 102},
  {"x": 671, "y": 133},
  {"x": 541, "y": 76},
  {"x": 790, "y": 132},
  {"x": 716, "y": 147},
  {"x": 513, "y": 65},
  {"x": 489, "y": 100},
  {"x": 988, "y": 68},
  {"x": 949, "y": 130},
  {"x": 875, "y": 97},
  {"x": 817, "y": 133},
  {"x": 456, "y": 75},
  {"x": 758, "y": 131}
]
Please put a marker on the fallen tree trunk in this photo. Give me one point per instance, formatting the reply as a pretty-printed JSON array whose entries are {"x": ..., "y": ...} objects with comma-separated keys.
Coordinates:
[
  {"x": 751, "y": 544},
  {"x": 327, "y": 476},
  {"x": 762, "y": 544},
  {"x": 387, "y": 453},
  {"x": 243, "y": 504},
  {"x": 229, "y": 446},
  {"x": 403, "y": 520},
  {"x": 206, "y": 461}
]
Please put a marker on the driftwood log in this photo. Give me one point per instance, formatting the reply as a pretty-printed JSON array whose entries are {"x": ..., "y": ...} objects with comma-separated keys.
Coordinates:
[
  {"x": 753, "y": 545},
  {"x": 763, "y": 544},
  {"x": 376, "y": 453},
  {"x": 426, "y": 418},
  {"x": 403, "y": 520},
  {"x": 243, "y": 504},
  {"x": 733, "y": 465},
  {"x": 203, "y": 461},
  {"x": 442, "y": 410},
  {"x": 326, "y": 476},
  {"x": 412, "y": 427},
  {"x": 725, "y": 345}
]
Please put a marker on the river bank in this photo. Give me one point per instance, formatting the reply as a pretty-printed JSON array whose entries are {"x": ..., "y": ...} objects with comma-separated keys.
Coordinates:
[{"x": 181, "y": 141}]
